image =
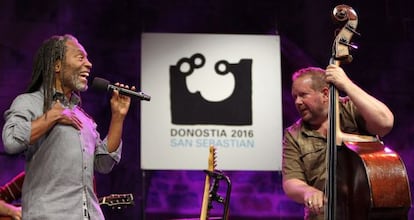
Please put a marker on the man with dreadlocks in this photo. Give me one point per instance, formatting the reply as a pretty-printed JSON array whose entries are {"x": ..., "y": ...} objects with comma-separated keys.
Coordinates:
[{"x": 61, "y": 144}]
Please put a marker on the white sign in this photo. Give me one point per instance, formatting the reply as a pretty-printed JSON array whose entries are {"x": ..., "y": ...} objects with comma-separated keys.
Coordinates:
[{"x": 211, "y": 90}]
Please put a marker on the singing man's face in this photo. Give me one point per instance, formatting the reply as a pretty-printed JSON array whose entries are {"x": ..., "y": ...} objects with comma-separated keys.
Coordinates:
[{"x": 76, "y": 68}]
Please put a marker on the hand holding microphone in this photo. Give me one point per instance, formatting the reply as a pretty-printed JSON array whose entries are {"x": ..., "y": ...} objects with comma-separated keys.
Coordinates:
[{"x": 101, "y": 84}]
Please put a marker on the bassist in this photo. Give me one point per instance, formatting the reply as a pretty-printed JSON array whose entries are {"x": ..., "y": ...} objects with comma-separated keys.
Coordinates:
[{"x": 304, "y": 143}]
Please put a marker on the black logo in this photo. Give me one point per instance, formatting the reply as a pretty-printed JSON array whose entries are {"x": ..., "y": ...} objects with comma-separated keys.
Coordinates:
[{"x": 192, "y": 108}]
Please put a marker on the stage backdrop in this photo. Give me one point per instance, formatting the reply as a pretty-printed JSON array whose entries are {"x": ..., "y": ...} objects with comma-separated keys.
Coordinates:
[{"x": 211, "y": 89}]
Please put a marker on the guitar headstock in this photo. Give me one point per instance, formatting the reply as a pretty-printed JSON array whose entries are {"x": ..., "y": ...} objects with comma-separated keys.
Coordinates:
[
  {"x": 212, "y": 159},
  {"x": 117, "y": 201}
]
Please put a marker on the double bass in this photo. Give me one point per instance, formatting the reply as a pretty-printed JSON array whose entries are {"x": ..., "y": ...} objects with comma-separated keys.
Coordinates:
[{"x": 366, "y": 179}]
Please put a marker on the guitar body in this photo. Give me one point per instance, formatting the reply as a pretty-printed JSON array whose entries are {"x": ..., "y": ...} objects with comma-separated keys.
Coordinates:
[{"x": 372, "y": 183}]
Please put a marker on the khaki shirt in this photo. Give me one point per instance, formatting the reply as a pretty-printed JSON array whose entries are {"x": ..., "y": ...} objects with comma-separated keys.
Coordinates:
[{"x": 304, "y": 149}]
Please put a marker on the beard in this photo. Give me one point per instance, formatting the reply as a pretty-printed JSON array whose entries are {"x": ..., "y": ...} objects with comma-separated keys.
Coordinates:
[
  {"x": 79, "y": 86},
  {"x": 315, "y": 118},
  {"x": 75, "y": 82},
  {"x": 313, "y": 115}
]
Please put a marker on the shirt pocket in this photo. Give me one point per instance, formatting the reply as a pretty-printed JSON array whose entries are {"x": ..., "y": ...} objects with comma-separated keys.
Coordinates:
[{"x": 313, "y": 163}]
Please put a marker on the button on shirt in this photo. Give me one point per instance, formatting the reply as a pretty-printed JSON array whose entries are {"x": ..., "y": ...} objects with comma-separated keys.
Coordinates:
[{"x": 60, "y": 165}]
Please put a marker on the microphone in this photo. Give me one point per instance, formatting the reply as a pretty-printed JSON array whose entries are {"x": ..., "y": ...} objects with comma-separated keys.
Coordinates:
[{"x": 101, "y": 84}]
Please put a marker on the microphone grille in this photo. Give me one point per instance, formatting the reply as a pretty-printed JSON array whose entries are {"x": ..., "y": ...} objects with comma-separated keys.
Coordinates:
[{"x": 100, "y": 84}]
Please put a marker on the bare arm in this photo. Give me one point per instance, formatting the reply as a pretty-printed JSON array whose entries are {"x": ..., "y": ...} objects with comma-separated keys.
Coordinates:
[
  {"x": 299, "y": 191},
  {"x": 119, "y": 107},
  {"x": 302, "y": 193},
  {"x": 115, "y": 133},
  {"x": 379, "y": 118}
]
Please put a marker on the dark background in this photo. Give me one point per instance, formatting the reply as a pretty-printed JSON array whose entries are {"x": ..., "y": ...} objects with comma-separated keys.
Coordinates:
[{"x": 110, "y": 31}]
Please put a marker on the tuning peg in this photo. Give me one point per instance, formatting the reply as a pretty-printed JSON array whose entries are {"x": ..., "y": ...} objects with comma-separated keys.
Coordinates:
[
  {"x": 352, "y": 29},
  {"x": 350, "y": 45}
]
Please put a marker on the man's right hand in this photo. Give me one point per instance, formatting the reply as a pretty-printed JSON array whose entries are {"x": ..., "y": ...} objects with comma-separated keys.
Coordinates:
[{"x": 66, "y": 116}]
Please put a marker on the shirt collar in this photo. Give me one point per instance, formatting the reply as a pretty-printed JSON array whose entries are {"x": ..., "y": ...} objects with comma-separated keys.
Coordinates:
[
  {"x": 74, "y": 98},
  {"x": 305, "y": 129}
]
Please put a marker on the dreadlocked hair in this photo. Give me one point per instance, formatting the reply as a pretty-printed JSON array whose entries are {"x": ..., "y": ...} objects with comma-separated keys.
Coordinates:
[{"x": 43, "y": 73}]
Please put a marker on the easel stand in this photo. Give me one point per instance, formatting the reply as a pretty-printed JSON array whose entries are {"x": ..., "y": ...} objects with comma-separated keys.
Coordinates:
[
  {"x": 143, "y": 194},
  {"x": 218, "y": 176}
]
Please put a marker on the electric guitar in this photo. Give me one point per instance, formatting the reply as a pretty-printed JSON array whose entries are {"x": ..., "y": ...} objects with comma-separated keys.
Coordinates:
[
  {"x": 206, "y": 196},
  {"x": 117, "y": 201},
  {"x": 114, "y": 201}
]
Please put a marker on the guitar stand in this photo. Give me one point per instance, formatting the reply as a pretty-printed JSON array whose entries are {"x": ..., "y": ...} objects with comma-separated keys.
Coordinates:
[{"x": 217, "y": 176}]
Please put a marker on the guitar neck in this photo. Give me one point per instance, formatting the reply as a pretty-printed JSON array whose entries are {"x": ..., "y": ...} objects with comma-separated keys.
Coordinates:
[
  {"x": 204, "y": 207},
  {"x": 115, "y": 201}
]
